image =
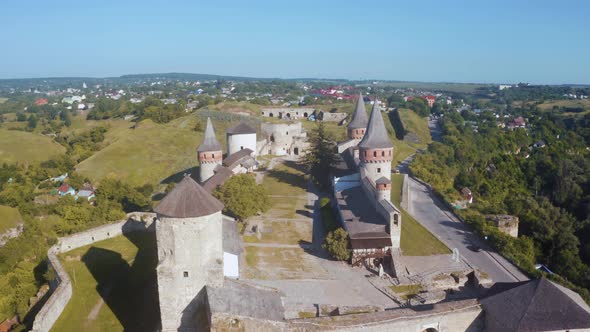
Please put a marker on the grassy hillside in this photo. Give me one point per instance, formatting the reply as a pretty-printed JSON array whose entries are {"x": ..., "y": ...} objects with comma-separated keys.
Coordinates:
[
  {"x": 575, "y": 103},
  {"x": 401, "y": 149},
  {"x": 9, "y": 218},
  {"x": 151, "y": 152},
  {"x": 416, "y": 124},
  {"x": 20, "y": 146}
]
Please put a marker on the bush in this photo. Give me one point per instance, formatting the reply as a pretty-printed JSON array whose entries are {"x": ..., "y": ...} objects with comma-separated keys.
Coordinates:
[
  {"x": 242, "y": 197},
  {"x": 328, "y": 218},
  {"x": 337, "y": 243}
]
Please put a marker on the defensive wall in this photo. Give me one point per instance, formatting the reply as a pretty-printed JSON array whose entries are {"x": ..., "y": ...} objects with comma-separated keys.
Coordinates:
[{"x": 61, "y": 286}]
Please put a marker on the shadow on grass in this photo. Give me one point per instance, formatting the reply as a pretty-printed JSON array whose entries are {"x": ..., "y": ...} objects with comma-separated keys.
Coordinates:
[
  {"x": 129, "y": 291},
  {"x": 176, "y": 177},
  {"x": 288, "y": 177}
]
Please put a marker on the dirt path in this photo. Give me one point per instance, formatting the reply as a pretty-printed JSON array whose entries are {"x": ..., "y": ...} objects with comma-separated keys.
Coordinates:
[{"x": 96, "y": 309}]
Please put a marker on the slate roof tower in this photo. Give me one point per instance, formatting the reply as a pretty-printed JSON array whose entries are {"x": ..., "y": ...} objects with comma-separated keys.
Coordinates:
[
  {"x": 209, "y": 153},
  {"x": 358, "y": 124},
  {"x": 189, "y": 235},
  {"x": 376, "y": 150}
]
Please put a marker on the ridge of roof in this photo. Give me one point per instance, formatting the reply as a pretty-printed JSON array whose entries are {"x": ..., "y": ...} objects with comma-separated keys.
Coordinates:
[
  {"x": 376, "y": 136},
  {"x": 188, "y": 200},
  {"x": 210, "y": 142},
  {"x": 241, "y": 128},
  {"x": 359, "y": 116}
]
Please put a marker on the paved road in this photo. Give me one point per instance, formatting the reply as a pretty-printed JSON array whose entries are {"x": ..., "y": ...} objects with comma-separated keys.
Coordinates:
[{"x": 436, "y": 217}]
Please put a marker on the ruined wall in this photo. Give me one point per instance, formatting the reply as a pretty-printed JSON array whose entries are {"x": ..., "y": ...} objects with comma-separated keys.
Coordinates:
[
  {"x": 284, "y": 138},
  {"x": 332, "y": 117},
  {"x": 11, "y": 233},
  {"x": 453, "y": 317},
  {"x": 61, "y": 287}
]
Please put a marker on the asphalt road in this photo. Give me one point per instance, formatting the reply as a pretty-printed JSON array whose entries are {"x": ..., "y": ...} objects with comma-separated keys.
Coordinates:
[{"x": 436, "y": 217}]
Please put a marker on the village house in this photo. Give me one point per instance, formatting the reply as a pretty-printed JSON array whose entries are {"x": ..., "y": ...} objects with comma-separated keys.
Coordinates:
[{"x": 66, "y": 189}]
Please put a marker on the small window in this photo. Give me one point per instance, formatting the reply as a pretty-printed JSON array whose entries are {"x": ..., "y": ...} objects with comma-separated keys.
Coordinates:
[
  {"x": 213, "y": 155},
  {"x": 379, "y": 170},
  {"x": 365, "y": 153},
  {"x": 185, "y": 273},
  {"x": 241, "y": 148},
  {"x": 93, "y": 238},
  {"x": 108, "y": 234},
  {"x": 287, "y": 134},
  {"x": 374, "y": 153},
  {"x": 382, "y": 153},
  {"x": 390, "y": 153}
]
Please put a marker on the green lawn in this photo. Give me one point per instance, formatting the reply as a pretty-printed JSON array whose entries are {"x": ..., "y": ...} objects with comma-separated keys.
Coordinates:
[
  {"x": 286, "y": 179},
  {"x": 119, "y": 271},
  {"x": 25, "y": 147},
  {"x": 415, "y": 239},
  {"x": 3, "y": 100},
  {"x": 9, "y": 217}
]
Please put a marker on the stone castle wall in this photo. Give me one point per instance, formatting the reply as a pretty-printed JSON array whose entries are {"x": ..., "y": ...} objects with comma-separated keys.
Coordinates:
[{"x": 61, "y": 287}]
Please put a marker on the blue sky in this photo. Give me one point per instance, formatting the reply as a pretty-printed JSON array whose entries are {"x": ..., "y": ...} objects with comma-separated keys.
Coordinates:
[{"x": 453, "y": 41}]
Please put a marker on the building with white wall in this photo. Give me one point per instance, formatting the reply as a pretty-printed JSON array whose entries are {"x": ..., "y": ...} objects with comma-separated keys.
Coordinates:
[{"x": 240, "y": 137}]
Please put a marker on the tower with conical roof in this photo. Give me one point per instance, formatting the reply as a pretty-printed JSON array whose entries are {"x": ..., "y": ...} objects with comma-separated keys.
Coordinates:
[
  {"x": 190, "y": 252},
  {"x": 358, "y": 124},
  {"x": 376, "y": 152},
  {"x": 209, "y": 152}
]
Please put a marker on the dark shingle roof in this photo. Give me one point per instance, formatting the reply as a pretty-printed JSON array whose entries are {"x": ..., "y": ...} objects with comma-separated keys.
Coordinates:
[
  {"x": 221, "y": 175},
  {"x": 359, "y": 117},
  {"x": 241, "y": 128},
  {"x": 188, "y": 200},
  {"x": 210, "y": 143},
  {"x": 376, "y": 136},
  {"x": 231, "y": 160},
  {"x": 535, "y": 305}
]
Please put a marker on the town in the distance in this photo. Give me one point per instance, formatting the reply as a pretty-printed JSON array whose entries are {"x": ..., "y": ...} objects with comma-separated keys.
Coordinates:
[{"x": 189, "y": 202}]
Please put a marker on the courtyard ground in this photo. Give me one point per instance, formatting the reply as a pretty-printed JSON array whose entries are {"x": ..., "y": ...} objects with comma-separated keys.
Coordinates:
[{"x": 114, "y": 286}]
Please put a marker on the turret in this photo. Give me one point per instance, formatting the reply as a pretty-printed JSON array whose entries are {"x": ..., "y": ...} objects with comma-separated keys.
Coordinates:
[
  {"x": 209, "y": 153},
  {"x": 376, "y": 149},
  {"x": 241, "y": 137},
  {"x": 358, "y": 124},
  {"x": 189, "y": 238}
]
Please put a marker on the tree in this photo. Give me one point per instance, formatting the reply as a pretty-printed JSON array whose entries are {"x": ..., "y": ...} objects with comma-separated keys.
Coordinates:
[
  {"x": 67, "y": 118},
  {"x": 32, "y": 122},
  {"x": 321, "y": 155},
  {"x": 337, "y": 243},
  {"x": 242, "y": 197}
]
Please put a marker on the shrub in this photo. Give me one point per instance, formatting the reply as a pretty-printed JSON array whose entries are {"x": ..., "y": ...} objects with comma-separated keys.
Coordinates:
[
  {"x": 337, "y": 243},
  {"x": 328, "y": 218}
]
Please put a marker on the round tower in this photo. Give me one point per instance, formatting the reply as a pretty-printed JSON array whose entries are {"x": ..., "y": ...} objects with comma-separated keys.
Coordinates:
[
  {"x": 240, "y": 137},
  {"x": 358, "y": 125},
  {"x": 189, "y": 239},
  {"x": 376, "y": 149},
  {"x": 209, "y": 153}
]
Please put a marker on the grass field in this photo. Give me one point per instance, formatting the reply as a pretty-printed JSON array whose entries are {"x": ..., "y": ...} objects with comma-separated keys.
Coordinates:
[
  {"x": 416, "y": 124},
  {"x": 114, "y": 286},
  {"x": 415, "y": 239},
  {"x": 575, "y": 103},
  {"x": 3, "y": 100},
  {"x": 24, "y": 147},
  {"x": 9, "y": 217}
]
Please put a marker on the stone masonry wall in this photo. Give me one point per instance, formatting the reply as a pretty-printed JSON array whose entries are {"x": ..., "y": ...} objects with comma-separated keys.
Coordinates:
[{"x": 61, "y": 287}]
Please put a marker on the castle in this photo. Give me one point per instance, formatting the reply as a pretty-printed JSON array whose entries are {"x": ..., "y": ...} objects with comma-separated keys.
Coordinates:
[{"x": 362, "y": 187}]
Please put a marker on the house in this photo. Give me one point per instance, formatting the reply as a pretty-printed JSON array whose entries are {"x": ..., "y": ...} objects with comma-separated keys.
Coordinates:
[
  {"x": 41, "y": 102},
  {"x": 539, "y": 144},
  {"x": 66, "y": 189},
  {"x": 87, "y": 194},
  {"x": 517, "y": 123},
  {"x": 60, "y": 178},
  {"x": 466, "y": 192},
  {"x": 430, "y": 99}
]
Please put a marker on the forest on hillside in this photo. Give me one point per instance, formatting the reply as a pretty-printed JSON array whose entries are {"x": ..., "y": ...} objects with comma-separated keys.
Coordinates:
[{"x": 540, "y": 173}]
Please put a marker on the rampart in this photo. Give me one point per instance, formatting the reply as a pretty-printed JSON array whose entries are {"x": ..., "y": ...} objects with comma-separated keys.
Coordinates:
[{"x": 61, "y": 286}]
